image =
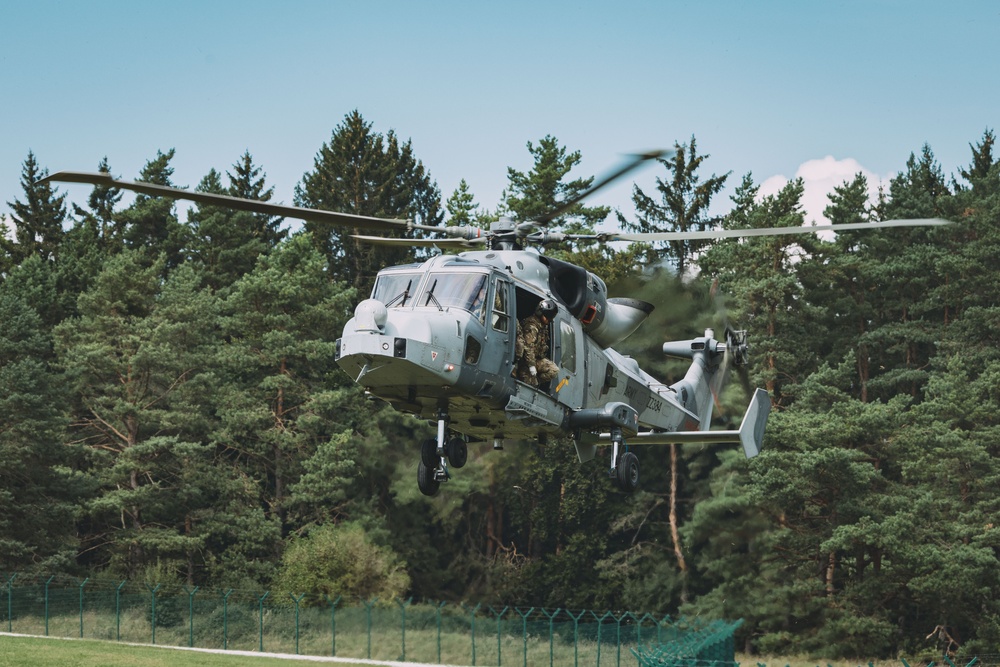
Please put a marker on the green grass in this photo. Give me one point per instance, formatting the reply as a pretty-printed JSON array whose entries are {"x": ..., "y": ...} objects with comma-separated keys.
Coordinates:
[
  {"x": 36, "y": 652},
  {"x": 352, "y": 639},
  {"x": 44, "y": 652}
]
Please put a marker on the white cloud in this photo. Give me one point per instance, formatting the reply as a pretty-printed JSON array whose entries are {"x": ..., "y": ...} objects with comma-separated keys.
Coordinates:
[{"x": 819, "y": 177}]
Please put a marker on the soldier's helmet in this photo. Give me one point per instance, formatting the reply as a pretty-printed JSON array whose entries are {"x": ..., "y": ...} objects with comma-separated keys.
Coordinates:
[{"x": 546, "y": 308}]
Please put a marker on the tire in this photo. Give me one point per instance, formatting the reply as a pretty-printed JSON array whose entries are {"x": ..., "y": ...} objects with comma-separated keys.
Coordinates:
[
  {"x": 628, "y": 472},
  {"x": 425, "y": 480},
  {"x": 458, "y": 452},
  {"x": 428, "y": 453}
]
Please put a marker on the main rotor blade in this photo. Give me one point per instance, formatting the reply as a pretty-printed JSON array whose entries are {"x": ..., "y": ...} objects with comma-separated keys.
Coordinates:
[
  {"x": 238, "y": 203},
  {"x": 635, "y": 161},
  {"x": 770, "y": 231},
  {"x": 424, "y": 243}
]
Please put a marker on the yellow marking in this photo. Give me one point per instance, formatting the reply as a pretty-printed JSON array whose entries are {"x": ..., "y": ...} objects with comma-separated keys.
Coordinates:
[{"x": 562, "y": 383}]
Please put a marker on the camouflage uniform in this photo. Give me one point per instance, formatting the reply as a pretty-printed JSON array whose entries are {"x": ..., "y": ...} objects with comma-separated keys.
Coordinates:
[{"x": 531, "y": 348}]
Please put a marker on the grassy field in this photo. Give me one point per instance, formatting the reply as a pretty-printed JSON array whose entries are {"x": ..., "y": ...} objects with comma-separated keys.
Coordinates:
[
  {"x": 386, "y": 642},
  {"x": 36, "y": 652},
  {"x": 45, "y": 652}
]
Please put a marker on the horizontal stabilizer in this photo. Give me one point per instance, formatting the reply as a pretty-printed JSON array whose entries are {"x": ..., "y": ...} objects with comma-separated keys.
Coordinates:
[{"x": 750, "y": 434}]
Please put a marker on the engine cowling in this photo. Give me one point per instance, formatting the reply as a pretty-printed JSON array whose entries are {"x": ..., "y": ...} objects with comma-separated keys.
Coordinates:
[
  {"x": 622, "y": 316},
  {"x": 606, "y": 320}
]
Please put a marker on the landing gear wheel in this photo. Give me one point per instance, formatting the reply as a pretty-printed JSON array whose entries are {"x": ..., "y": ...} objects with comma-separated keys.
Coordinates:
[
  {"x": 428, "y": 453},
  {"x": 425, "y": 480},
  {"x": 457, "y": 452},
  {"x": 627, "y": 472}
]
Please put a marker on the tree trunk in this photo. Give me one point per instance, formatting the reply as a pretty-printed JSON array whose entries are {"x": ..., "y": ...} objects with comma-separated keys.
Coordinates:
[
  {"x": 674, "y": 535},
  {"x": 279, "y": 480},
  {"x": 831, "y": 567}
]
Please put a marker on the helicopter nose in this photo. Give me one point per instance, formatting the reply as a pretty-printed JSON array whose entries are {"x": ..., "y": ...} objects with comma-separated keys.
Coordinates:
[{"x": 370, "y": 316}]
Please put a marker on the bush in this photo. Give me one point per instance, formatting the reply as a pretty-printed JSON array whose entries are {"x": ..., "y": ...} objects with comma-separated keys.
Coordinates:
[{"x": 341, "y": 560}]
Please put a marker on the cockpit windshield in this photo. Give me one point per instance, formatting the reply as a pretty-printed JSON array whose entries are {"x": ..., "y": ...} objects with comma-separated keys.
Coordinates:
[
  {"x": 462, "y": 290},
  {"x": 396, "y": 289}
]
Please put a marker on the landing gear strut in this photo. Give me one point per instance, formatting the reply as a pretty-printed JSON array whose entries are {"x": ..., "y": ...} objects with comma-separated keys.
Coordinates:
[
  {"x": 436, "y": 454},
  {"x": 625, "y": 468}
]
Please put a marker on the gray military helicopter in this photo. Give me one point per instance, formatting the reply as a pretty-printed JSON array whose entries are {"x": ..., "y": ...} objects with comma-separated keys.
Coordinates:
[{"x": 437, "y": 339}]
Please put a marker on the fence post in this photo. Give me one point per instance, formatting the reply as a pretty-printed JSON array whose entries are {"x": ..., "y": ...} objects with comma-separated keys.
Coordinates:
[
  {"x": 472, "y": 628},
  {"x": 437, "y": 609},
  {"x": 333, "y": 623},
  {"x": 190, "y": 614},
  {"x": 260, "y": 617},
  {"x": 524, "y": 630},
  {"x": 118, "y": 611},
  {"x": 638, "y": 627},
  {"x": 10, "y": 604},
  {"x": 297, "y": 600},
  {"x": 402, "y": 614},
  {"x": 499, "y": 616},
  {"x": 600, "y": 622},
  {"x": 659, "y": 629},
  {"x": 551, "y": 618},
  {"x": 47, "y": 604},
  {"x": 368, "y": 612},
  {"x": 225, "y": 619},
  {"x": 576, "y": 635},
  {"x": 82, "y": 584},
  {"x": 618, "y": 657},
  {"x": 152, "y": 594}
]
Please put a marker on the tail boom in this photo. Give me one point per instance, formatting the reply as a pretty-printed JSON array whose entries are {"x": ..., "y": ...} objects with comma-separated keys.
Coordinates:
[{"x": 750, "y": 434}]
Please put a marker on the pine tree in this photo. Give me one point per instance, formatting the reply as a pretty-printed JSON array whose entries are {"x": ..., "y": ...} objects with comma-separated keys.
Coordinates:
[
  {"x": 37, "y": 487},
  {"x": 683, "y": 206},
  {"x": 100, "y": 222},
  {"x": 282, "y": 411},
  {"x": 759, "y": 276},
  {"x": 981, "y": 174},
  {"x": 973, "y": 242},
  {"x": 138, "y": 357},
  {"x": 543, "y": 189},
  {"x": 226, "y": 242},
  {"x": 839, "y": 285},
  {"x": 149, "y": 223},
  {"x": 462, "y": 207},
  {"x": 248, "y": 182},
  {"x": 364, "y": 173},
  {"x": 903, "y": 264},
  {"x": 38, "y": 221}
]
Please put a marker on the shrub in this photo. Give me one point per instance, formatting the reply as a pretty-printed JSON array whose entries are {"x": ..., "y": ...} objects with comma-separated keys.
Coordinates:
[{"x": 341, "y": 560}]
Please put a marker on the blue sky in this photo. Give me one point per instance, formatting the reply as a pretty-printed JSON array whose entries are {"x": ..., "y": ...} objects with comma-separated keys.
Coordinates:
[{"x": 774, "y": 88}]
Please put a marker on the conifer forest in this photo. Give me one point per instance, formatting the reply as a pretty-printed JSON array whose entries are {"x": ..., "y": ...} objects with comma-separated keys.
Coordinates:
[{"x": 171, "y": 411}]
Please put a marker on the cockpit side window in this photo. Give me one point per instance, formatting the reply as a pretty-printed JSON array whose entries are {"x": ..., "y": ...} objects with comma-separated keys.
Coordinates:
[
  {"x": 396, "y": 290},
  {"x": 501, "y": 309}
]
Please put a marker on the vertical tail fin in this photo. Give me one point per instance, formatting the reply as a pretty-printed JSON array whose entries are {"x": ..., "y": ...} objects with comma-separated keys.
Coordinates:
[{"x": 754, "y": 421}]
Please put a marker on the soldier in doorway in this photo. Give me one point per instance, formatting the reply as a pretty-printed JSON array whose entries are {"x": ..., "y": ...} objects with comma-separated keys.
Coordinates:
[{"x": 532, "y": 346}]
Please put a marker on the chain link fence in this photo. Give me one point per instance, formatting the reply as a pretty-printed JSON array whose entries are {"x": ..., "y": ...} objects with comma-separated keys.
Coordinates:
[
  {"x": 397, "y": 630},
  {"x": 268, "y": 621}
]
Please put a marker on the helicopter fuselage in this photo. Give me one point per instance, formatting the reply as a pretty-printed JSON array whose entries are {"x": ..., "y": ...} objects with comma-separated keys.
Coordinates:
[{"x": 439, "y": 338}]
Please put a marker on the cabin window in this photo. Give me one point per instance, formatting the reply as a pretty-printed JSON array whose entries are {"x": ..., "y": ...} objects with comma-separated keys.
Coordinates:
[
  {"x": 568, "y": 336},
  {"x": 396, "y": 290},
  {"x": 501, "y": 312},
  {"x": 459, "y": 290}
]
